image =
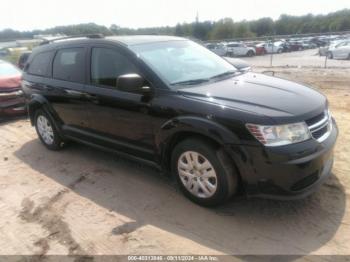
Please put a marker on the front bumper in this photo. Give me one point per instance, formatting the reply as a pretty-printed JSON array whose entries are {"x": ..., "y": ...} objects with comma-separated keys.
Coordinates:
[
  {"x": 12, "y": 103},
  {"x": 286, "y": 172}
]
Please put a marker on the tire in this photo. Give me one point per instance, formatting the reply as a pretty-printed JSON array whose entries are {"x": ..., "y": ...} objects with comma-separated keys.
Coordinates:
[
  {"x": 250, "y": 53},
  {"x": 330, "y": 55},
  {"x": 279, "y": 51},
  {"x": 47, "y": 131},
  {"x": 208, "y": 186},
  {"x": 349, "y": 57}
]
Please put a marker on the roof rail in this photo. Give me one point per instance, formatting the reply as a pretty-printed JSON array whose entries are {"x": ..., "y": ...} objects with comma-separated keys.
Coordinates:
[{"x": 92, "y": 36}]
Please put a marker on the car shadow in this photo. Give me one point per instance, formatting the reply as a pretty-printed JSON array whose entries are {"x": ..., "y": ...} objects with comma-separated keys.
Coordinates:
[
  {"x": 240, "y": 227},
  {"x": 4, "y": 120}
]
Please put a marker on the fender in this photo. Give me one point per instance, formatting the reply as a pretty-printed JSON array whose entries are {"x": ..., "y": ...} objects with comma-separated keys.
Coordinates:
[
  {"x": 169, "y": 131},
  {"x": 168, "y": 134},
  {"x": 39, "y": 101},
  {"x": 200, "y": 125}
]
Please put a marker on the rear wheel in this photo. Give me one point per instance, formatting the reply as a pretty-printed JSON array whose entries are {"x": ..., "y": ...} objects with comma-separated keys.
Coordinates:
[
  {"x": 204, "y": 174},
  {"x": 47, "y": 131},
  {"x": 250, "y": 53},
  {"x": 330, "y": 55}
]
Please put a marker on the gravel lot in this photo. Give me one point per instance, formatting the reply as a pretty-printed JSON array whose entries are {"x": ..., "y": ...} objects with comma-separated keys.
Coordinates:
[
  {"x": 307, "y": 58},
  {"x": 84, "y": 201}
]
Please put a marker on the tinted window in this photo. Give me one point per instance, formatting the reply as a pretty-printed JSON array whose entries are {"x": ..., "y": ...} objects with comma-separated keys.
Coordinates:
[
  {"x": 40, "y": 64},
  {"x": 69, "y": 65},
  {"x": 24, "y": 57},
  {"x": 107, "y": 65}
]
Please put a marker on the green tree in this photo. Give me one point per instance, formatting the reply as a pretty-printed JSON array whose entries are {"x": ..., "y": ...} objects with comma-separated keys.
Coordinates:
[{"x": 223, "y": 29}]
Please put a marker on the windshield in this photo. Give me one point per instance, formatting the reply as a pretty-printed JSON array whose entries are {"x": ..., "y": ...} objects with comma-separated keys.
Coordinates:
[
  {"x": 8, "y": 70},
  {"x": 182, "y": 61}
]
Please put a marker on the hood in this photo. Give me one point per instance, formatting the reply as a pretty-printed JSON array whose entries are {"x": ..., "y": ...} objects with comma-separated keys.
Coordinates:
[
  {"x": 238, "y": 63},
  {"x": 261, "y": 94},
  {"x": 10, "y": 82}
]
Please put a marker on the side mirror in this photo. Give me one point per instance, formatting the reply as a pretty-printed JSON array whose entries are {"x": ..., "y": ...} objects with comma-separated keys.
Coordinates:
[{"x": 132, "y": 83}]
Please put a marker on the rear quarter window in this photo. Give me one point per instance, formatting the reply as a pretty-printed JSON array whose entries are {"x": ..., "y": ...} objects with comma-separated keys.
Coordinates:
[{"x": 40, "y": 64}]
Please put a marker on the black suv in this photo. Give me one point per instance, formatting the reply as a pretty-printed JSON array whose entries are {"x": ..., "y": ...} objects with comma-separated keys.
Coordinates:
[{"x": 174, "y": 104}]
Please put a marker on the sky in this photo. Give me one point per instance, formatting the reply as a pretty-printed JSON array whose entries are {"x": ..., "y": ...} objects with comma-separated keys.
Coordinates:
[{"x": 36, "y": 14}]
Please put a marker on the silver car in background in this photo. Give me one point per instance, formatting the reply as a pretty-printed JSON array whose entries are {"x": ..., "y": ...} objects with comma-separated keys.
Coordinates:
[
  {"x": 218, "y": 48},
  {"x": 340, "y": 51}
]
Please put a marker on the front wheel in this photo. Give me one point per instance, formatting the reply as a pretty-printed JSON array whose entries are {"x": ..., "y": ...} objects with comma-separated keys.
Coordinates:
[
  {"x": 204, "y": 174},
  {"x": 47, "y": 131}
]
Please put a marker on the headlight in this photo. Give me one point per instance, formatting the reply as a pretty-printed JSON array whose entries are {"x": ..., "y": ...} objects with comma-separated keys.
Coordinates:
[
  {"x": 19, "y": 93},
  {"x": 280, "y": 135}
]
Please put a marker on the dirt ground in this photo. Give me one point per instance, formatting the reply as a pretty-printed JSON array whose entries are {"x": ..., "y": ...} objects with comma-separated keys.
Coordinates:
[{"x": 84, "y": 201}]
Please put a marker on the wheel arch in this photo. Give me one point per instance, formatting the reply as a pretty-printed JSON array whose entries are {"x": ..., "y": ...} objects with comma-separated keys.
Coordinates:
[
  {"x": 178, "y": 129},
  {"x": 40, "y": 102},
  {"x": 36, "y": 102}
]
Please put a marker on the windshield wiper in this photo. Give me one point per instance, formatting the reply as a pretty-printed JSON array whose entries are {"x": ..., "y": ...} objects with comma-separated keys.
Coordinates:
[
  {"x": 191, "y": 82},
  {"x": 202, "y": 80},
  {"x": 224, "y": 74}
]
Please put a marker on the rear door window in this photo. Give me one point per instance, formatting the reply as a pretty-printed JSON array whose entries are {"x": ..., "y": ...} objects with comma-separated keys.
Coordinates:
[{"x": 69, "y": 65}]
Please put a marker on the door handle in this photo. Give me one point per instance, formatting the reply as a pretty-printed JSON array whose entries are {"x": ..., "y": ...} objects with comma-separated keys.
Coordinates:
[
  {"x": 73, "y": 92},
  {"x": 90, "y": 96},
  {"x": 93, "y": 98}
]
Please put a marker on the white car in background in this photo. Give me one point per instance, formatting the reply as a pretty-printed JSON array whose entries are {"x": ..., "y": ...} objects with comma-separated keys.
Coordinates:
[
  {"x": 340, "y": 51},
  {"x": 239, "y": 49},
  {"x": 323, "y": 50},
  {"x": 272, "y": 48}
]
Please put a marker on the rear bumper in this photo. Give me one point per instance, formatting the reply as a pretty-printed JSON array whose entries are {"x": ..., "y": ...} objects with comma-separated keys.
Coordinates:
[{"x": 288, "y": 172}]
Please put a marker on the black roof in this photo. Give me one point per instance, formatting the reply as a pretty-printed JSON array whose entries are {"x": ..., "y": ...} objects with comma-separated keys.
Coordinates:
[
  {"x": 123, "y": 40},
  {"x": 118, "y": 40},
  {"x": 142, "y": 39}
]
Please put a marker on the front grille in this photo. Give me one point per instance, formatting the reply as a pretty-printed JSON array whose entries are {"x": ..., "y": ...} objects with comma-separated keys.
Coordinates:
[
  {"x": 320, "y": 126},
  {"x": 315, "y": 119},
  {"x": 319, "y": 133},
  {"x": 305, "y": 182}
]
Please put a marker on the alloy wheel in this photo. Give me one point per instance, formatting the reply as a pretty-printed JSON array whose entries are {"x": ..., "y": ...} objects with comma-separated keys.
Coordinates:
[
  {"x": 45, "y": 129},
  {"x": 197, "y": 174}
]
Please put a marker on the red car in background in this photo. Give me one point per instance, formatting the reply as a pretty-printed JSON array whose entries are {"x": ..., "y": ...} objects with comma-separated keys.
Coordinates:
[
  {"x": 12, "y": 101},
  {"x": 260, "y": 49}
]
